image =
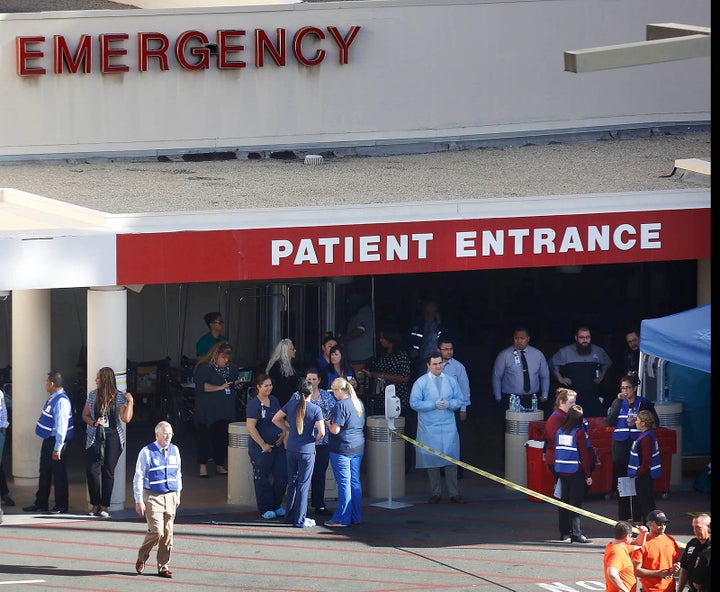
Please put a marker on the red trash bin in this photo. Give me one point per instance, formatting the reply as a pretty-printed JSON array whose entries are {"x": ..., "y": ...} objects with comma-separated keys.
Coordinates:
[
  {"x": 602, "y": 475},
  {"x": 536, "y": 430},
  {"x": 539, "y": 477},
  {"x": 667, "y": 443}
]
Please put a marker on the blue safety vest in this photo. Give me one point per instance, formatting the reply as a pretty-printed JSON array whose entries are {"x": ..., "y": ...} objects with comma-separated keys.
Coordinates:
[
  {"x": 634, "y": 463},
  {"x": 46, "y": 423},
  {"x": 162, "y": 475},
  {"x": 567, "y": 457},
  {"x": 623, "y": 430}
]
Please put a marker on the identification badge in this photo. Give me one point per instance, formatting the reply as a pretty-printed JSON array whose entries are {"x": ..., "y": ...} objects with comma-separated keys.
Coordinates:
[
  {"x": 565, "y": 440},
  {"x": 106, "y": 423},
  {"x": 227, "y": 391}
]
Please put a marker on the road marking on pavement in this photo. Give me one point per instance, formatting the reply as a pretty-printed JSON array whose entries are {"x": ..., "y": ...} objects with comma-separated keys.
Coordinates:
[{"x": 17, "y": 582}]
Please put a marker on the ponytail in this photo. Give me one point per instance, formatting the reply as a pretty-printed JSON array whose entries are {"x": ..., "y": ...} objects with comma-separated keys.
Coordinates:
[
  {"x": 343, "y": 385},
  {"x": 305, "y": 390},
  {"x": 300, "y": 415}
]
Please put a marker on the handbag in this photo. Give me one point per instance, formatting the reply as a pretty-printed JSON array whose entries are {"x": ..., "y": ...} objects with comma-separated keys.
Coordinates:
[{"x": 98, "y": 445}]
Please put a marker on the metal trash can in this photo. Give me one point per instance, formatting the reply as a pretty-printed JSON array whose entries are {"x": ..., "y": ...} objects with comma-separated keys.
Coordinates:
[
  {"x": 670, "y": 416},
  {"x": 376, "y": 452},
  {"x": 517, "y": 427},
  {"x": 241, "y": 489}
]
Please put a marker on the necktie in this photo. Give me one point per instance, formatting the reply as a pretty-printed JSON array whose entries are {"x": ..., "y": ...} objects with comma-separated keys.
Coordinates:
[
  {"x": 164, "y": 452},
  {"x": 438, "y": 384},
  {"x": 526, "y": 372}
]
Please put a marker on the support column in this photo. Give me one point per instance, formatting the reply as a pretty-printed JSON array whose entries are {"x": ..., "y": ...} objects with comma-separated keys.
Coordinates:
[
  {"x": 703, "y": 282},
  {"x": 31, "y": 361},
  {"x": 107, "y": 346},
  {"x": 327, "y": 307}
]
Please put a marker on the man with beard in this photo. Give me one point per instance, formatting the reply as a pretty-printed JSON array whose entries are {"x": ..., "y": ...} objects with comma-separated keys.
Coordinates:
[{"x": 582, "y": 366}]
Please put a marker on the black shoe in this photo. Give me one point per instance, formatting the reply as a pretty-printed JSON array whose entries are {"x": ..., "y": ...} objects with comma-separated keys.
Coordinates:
[
  {"x": 580, "y": 539},
  {"x": 57, "y": 510},
  {"x": 565, "y": 538},
  {"x": 323, "y": 511},
  {"x": 7, "y": 500},
  {"x": 34, "y": 508}
]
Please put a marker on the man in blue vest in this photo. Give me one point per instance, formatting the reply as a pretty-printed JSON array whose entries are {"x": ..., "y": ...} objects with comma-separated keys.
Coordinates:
[
  {"x": 55, "y": 427},
  {"x": 156, "y": 487}
]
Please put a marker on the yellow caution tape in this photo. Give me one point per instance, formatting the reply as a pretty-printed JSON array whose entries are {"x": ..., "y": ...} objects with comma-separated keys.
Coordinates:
[{"x": 510, "y": 484}]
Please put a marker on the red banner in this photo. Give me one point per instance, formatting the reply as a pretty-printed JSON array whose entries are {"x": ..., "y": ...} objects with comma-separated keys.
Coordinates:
[{"x": 411, "y": 247}]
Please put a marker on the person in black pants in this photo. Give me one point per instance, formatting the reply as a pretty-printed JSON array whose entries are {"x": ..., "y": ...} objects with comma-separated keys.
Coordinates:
[
  {"x": 55, "y": 427},
  {"x": 4, "y": 491}
]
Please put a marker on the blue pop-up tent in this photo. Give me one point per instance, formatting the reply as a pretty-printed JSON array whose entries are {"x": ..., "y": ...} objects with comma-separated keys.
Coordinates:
[{"x": 683, "y": 340}]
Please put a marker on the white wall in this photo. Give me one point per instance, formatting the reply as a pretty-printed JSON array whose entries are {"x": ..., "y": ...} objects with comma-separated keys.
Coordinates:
[{"x": 417, "y": 70}]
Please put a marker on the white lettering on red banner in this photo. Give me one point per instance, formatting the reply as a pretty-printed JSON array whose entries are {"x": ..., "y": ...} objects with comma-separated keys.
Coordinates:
[
  {"x": 545, "y": 240},
  {"x": 191, "y": 50},
  {"x": 369, "y": 248},
  {"x": 413, "y": 247}
]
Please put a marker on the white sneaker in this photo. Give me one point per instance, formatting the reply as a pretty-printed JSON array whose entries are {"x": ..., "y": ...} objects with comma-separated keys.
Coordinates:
[{"x": 309, "y": 523}]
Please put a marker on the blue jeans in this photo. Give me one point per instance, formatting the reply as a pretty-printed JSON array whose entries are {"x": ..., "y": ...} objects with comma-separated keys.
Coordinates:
[{"x": 346, "y": 469}]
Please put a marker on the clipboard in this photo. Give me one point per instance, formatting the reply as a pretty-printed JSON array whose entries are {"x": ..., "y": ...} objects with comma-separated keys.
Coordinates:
[{"x": 626, "y": 486}]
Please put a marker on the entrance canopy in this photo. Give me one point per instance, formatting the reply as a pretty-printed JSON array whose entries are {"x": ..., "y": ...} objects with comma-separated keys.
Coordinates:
[{"x": 682, "y": 338}]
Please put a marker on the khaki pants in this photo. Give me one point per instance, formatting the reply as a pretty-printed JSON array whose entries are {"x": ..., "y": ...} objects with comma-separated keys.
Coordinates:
[{"x": 160, "y": 515}]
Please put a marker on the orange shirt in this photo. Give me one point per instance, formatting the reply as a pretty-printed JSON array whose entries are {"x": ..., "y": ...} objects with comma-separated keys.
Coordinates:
[
  {"x": 659, "y": 552},
  {"x": 617, "y": 555}
]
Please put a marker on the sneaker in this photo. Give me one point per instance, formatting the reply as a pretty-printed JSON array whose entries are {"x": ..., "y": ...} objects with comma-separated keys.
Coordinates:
[
  {"x": 323, "y": 511},
  {"x": 332, "y": 524},
  {"x": 309, "y": 523},
  {"x": 221, "y": 470},
  {"x": 269, "y": 515},
  {"x": 280, "y": 512},
  {"x": 580, "y": 539},
  {"x": 103, "y": 514},
  {"x": 34, "y": 508},
  {"x": 7, "y": 500},
  {"x": 565, "y": 538}
]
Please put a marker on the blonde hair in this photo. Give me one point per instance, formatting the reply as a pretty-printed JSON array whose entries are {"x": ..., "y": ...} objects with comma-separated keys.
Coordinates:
[
  {"x": 342, "y": 385},
  {"x": 563, "y": 395},
  {"x": 647, "y": 418}
]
